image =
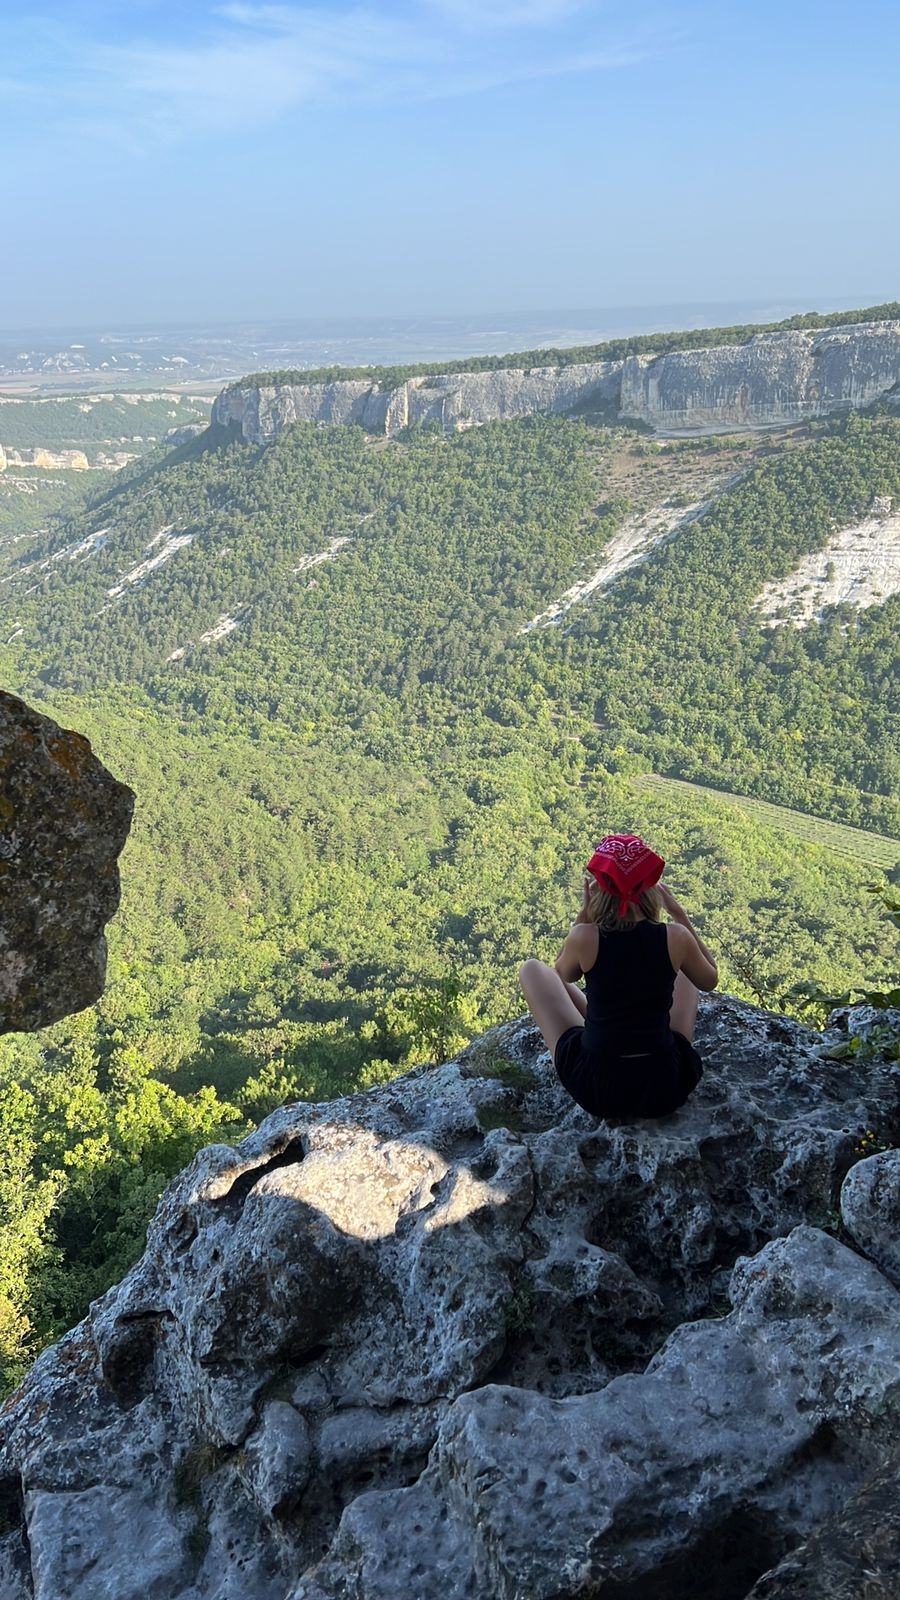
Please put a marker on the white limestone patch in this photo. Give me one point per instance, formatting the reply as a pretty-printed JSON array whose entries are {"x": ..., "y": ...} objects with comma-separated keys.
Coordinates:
[
  {"x": 85, "y": 547},
  {"x": 225, "y": 625},
  {"x": 161, "y": 535},
  {"x": 634, "y": 541},
  {"x": 859, "y": 566},
  {"x": 333, "y": 546},
  {"x": 173, "y": 543}
]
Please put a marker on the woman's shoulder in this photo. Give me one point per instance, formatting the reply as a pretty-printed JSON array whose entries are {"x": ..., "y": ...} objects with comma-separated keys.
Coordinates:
[
  {"x": 585, "y": 938},
  {"x": 677, "y": 939}
]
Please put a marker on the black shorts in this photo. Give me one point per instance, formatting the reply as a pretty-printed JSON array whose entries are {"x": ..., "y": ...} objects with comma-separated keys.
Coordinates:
[{"x": 628, "y": 1086}]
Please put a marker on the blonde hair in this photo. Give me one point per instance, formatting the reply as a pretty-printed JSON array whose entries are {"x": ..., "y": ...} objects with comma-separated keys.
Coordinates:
[{"x": 603, "y": 909}]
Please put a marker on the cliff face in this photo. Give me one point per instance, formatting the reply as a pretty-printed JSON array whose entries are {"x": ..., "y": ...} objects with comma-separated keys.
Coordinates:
[
  {"x": 454, "y": 1338},
  {"x": 776, "y": 379},
  {"x": 455, "y": 400}
]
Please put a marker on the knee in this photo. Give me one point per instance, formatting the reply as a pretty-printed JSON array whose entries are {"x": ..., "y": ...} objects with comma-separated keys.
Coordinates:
[{"x": 528, "y": 972}]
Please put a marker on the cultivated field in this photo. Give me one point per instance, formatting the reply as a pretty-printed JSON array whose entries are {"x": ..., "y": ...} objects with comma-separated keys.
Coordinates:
[{"x": 869, "y": 849}]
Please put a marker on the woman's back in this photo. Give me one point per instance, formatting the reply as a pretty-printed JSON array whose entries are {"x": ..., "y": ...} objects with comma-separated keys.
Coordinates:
[{"x": 629, "y": 991}]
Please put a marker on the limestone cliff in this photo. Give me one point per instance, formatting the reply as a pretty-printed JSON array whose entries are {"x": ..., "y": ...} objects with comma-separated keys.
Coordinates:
[
  {"x": 774, "y": 379},
  {"x": 777, "y": 378},
  {"x": 51, "y": 460},
  {"x": 452, "y": 1339},
  {"x": 455, "y": 400}
]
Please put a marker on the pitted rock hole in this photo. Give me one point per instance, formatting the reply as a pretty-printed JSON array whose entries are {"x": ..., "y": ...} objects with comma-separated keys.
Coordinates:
[
  {"x": 722, "y": 1565},
  {"x": 12, "y": 1506},
  {"x": 128, "y": 1363},
  {"x": 233, "y": 1198}
]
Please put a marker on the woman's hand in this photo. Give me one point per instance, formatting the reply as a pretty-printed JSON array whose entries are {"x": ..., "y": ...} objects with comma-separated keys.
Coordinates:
[{"x": 671, "y": 904}]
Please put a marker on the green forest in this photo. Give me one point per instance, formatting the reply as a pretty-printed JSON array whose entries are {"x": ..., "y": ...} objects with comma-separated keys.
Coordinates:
[
  {"x": 361, "y": 807},
  {"x": 77, "y": 422},
  {"x": 98, "y": 425}
]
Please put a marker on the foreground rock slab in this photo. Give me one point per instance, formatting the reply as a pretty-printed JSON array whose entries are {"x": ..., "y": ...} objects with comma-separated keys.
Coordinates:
[
  {"x": 63, "y": 822},
  {"x": 742, "y": 1433},
  {"x": 452, "y": 1337}
]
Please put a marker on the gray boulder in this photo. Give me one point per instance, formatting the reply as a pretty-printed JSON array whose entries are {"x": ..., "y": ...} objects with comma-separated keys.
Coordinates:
[
  {"x": 854, "y": 1555},
  {"x": 693, "y": 1476},
  {"x": 870, "y": 1207},
  {"x": 63, "y": 822}
]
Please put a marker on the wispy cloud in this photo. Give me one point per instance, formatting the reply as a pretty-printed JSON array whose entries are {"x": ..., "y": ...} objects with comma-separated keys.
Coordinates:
[
  {"x": 241, "y": 64},
  {"x": 485, "y": 15}
]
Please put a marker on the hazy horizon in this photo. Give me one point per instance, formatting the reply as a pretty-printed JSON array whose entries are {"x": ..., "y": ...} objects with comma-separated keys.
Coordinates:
[
  {"x": 234, "y": 161},
  {"x": 210, "y": 353},
  {"x": 623, "y": 319}
]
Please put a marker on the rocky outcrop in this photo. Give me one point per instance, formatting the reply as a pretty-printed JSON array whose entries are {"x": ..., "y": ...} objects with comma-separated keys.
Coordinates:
[
  {"x": 773, "y": 380},
  {"x": 184, "y": 434},
  {"x": 454, "y": 400},
  {"x": 63, "y": 822},
  {"x": 777, "y": 378},
  {"x": 852, "y": 1556},
  {"x": 452, "y": 1337}
]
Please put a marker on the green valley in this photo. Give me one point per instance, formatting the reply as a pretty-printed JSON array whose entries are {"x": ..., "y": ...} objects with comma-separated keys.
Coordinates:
[{"x": 368, "y": 774}]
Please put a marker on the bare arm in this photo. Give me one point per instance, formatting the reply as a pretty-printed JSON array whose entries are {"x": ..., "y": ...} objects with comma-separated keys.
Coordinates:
[
  {"x": 694, "y": 958},
  {"x": 577, "y": 954}
]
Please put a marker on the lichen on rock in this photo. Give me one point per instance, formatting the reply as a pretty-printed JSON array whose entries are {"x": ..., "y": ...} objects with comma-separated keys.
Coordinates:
[{"x": 63, "y": 822}]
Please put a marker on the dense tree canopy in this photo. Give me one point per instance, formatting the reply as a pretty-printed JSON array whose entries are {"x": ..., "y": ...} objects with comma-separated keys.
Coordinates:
[{"x": 360, "y": 808}]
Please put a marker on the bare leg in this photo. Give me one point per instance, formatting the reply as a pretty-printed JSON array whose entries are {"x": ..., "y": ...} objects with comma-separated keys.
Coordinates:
[
  {"x": 549, "y": 1001},
  {"x": 579, "y": 997},
  {"x": 683, "y": 1015}
]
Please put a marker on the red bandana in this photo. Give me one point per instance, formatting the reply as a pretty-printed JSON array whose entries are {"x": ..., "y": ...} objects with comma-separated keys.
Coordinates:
[{"x": 624, "y": 865}]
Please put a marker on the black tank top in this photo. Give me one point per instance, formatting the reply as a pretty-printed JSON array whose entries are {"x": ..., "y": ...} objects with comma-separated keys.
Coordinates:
[{"x": 629, "y": 992}]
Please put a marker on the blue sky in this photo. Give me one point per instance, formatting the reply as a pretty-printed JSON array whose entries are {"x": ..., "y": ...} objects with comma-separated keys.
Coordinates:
[{"x": 168, "y": 161}]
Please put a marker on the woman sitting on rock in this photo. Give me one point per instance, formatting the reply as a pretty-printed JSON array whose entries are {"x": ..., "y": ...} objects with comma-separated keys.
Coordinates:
[{"x": 622, "y": 1047}]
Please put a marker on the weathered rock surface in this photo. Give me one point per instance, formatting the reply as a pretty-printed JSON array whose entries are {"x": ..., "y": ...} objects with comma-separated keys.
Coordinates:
[
  {"x": 183, "y": 435},
  {"x": 63, "y": 822},
  {"x": 742, "y": 1433},
  {"x": 777, "y": 378},
  {"x": 398, "y": 1345},
  {"x": 773, "y": 380},
  {"x": 870, "y": 1207},
  {"x": 455, "y": 400},
  {"x": 852, "y": 1556}
]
